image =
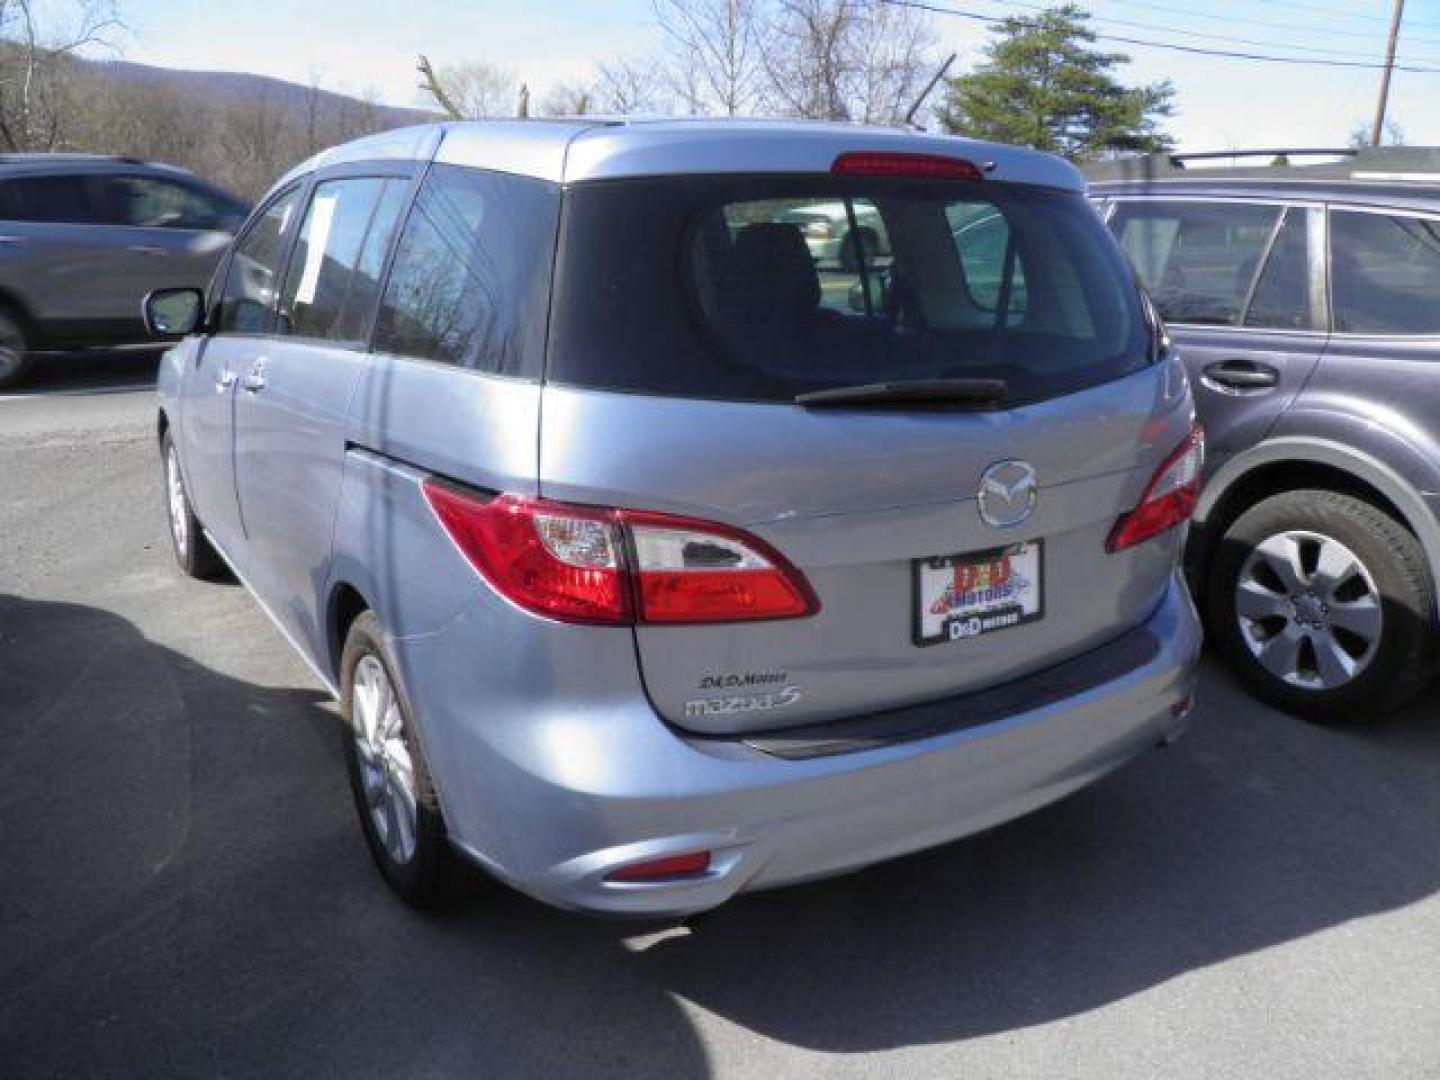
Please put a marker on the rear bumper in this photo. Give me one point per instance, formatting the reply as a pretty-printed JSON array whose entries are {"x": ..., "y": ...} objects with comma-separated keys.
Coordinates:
[{"x": 552, "y": 801}]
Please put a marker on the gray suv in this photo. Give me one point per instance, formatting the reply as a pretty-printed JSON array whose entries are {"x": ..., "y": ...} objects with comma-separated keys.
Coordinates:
[
  {"x": 1305, "y": 301},
  {"x": 648, "y": 560},
  {"x": 83, "y": 239}
]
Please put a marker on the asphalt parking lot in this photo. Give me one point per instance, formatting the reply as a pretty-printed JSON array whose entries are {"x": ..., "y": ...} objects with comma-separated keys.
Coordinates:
[{"x": 183, "y": 891}]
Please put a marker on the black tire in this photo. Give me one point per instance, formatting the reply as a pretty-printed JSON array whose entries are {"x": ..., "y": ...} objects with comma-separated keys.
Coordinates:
[
  {"x": 193, "y": 552},
  {"x": 1392, "y": 658},
  {"x": 869, "y": 243},
  {"x": 424, "y": 879},
  {"x": 15, "y": 358}
]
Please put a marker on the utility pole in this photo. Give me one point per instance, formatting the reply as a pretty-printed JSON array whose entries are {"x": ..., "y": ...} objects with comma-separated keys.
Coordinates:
[{"x": 1385, "y": 75}]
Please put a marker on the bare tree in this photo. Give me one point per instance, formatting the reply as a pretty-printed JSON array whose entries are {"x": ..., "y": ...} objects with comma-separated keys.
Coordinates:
[
  {"x": 39, "y": 42},
  {"x": 470, "y": 91},
  {"x": 569, "y": 99},
  {"x": 846, "y": 59},
  {"x": 629, "y": 86},
  {"x": 896, "y": 51},
  {"x": 715, "y": 52}
]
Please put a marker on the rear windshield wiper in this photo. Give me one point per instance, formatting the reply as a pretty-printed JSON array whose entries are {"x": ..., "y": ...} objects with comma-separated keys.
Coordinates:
[{"x": 950, "y": 393}]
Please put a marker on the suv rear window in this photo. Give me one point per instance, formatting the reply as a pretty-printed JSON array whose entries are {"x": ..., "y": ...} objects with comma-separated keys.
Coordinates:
[{"x": 763, "y": 288}]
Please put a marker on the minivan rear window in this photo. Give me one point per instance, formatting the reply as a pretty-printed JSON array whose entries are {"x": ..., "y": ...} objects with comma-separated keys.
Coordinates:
[{"x": 765, "y": 288}]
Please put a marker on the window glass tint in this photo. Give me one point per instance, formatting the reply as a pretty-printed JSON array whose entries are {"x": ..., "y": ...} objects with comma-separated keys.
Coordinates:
[
  {"x": 149, "y": 202},
  {"x": 333, "y": 279},
  {"x": 1282, "y": 296},
  {"x": 982, "y": 238},
  {"x": 250, "y": 283},
  {"x": 56, "y": 199},
  {"x": 1197, "y": 259},
  {"x": 470, "y": 281},
  {"x": 710, "y": 287},
  {"x": 1385, "y": 274}
]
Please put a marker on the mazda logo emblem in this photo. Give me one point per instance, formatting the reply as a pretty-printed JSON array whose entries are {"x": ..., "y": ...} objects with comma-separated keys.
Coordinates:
[{"x": 1008, "y": 491}]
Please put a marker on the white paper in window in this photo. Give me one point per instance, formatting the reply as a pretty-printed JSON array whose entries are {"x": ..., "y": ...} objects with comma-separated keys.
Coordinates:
[{"x": 322, "y": 215}]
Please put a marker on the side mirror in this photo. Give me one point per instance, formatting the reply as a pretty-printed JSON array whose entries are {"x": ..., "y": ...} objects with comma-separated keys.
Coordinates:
[{"x": 173, "y": 313}]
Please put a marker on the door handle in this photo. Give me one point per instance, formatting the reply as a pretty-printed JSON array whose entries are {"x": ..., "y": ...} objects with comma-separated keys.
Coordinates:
[
  {"x": 1245, "y": 376},
  {"x": 255, "y": 378},
  {"x": 226, "y": 380},
  {"x": 146, "y": 249}
]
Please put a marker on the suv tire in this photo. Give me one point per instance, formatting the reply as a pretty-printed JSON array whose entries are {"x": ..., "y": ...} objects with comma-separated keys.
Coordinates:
[
  {"x": 389, "y": 776},
  {"x": 15, "y": 357},
  {"x": 1321, "y": 605},
  {"x": 193, "y": 551}
]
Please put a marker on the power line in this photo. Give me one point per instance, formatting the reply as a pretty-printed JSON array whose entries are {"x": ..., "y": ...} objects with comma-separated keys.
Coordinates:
[
  {"x": 1195, "y": 50},
  {"x": 1182, "y": 32},
  {"x": 1375, "y": 37},
  {"x": 1336, "y": 13}
]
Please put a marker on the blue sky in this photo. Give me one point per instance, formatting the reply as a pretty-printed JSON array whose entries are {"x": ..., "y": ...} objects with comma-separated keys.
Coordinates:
[{"x": 370, "y": 44}]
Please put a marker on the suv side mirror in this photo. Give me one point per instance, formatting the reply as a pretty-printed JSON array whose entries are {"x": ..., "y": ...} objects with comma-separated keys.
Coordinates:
[{"x": 173, "y": 313}]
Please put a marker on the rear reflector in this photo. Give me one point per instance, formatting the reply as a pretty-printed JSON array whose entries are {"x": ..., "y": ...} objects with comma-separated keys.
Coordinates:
[
  {"x": 913, "y": 166},
  {"x": 673, "y": 866},
  {"x": 617, "y": 567},
  {"x": 1169, "y": 498}
]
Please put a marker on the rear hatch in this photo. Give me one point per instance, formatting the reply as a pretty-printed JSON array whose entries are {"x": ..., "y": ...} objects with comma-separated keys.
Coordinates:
[{"x": 952, "y": 518}]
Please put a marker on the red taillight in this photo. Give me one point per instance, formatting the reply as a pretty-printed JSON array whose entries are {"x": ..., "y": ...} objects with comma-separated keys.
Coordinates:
[
  {"x": 913, "y": 166},
  {"x": 673, "y": 866},
  {"x": 563, "y": 564},
  {"x": 696, "y": 571},
  {"x": 1169, "y": 498},
  {"x": 616, "y": 567}
]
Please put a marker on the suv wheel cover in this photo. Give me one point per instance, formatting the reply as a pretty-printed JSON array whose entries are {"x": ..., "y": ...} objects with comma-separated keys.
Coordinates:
[{"x": 1308, "y": 610}]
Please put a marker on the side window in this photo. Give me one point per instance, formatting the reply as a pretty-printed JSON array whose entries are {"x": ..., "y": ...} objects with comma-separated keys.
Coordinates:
[
  {"x": 1282, "y": 298},
  {"x": 57, "y": 200},
  {"x": 470, "y": 281},
  {"x": 249, "y": 295},
  {"x": 1385, "y": 273},
  {"x": 150, "y": 202},
  {"x": 1198, "y": 260},
  {"x": 982, "y": 239},
  {"x": 333, "y": 279}
]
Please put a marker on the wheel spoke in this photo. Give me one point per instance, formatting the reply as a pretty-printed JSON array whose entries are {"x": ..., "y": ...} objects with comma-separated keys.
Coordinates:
[
  {"x": 1336, "y": 667},
  {"x": 1281, "y": 655},
  {"x": 1282, "y": 555},
  {"x": 1360, "y": 617},
  {"x": 1255, "y": 602},
  {"x": 1335, "y": 566},
  {"x": 404, "y": 817}
]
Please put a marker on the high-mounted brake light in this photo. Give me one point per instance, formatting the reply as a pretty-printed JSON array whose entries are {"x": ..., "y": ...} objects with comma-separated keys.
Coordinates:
[
  {"x": 618, "y": 567},
  {"x": 912, "y": 166},
  {"x": 1169, "y": 498}
]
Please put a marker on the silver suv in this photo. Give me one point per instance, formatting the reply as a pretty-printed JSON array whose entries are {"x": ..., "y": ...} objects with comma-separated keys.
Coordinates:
[
  {"x": 83, "y": 239},
  {"x": 648, "y": 561}
]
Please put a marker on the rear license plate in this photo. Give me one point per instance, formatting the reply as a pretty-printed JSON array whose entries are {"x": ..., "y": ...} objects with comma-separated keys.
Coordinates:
[{"x": 958, "y": 597}]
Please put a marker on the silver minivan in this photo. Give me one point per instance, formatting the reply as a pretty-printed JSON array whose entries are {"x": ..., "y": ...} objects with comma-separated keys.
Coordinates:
[{"x": 652, "y": 560}]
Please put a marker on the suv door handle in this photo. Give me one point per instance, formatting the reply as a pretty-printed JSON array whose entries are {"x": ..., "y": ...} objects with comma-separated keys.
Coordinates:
[
  {"x": 146, "y": 249},
  {"x": 255, "y": 378},
  {"x": 1242, "y": 375}
]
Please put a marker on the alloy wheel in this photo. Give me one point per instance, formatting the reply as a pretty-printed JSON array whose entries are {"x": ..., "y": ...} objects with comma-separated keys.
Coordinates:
[
  {"x": 175, "y": 497},
  {"x": 387, "y": 770},
  {"x": 1308, "y": 609}
]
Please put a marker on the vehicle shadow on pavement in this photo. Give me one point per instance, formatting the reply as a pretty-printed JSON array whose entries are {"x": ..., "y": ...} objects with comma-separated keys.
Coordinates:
[{"x": 186, "y": 892}]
